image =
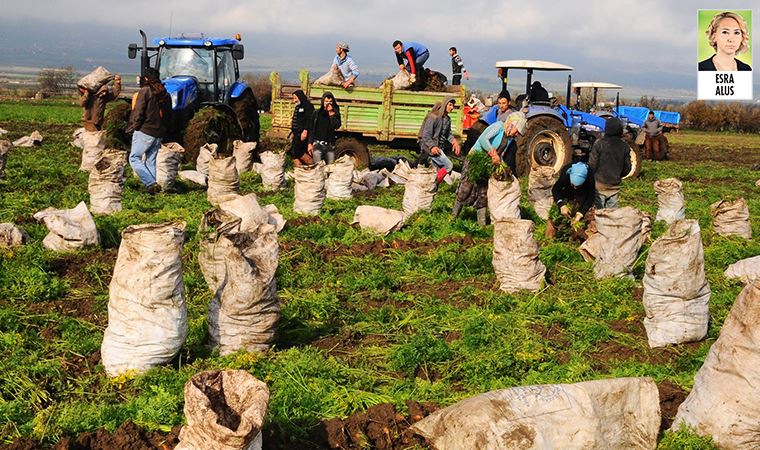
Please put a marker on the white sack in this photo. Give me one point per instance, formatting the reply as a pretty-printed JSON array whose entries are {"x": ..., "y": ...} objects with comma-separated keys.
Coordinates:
[
  {"x": 106, "y": 182},
  {"x": 309, "y": 189},
  {"x": 515, "y": 256},
  {"x": 333, "y": 77},
  {"x": 746, "y": 270},
  {"x": 272, "y": 170},
  {"x": 243, "y": 153},
  {"x": 419, "y": 190},
  {"x": 205, "y": 154},
  {"x": 192, "y": 176},
  {"x": 93, "y": 145},
  {"x": 168, "y": 160},
  {"x": 5, "y": 148},
  {"x": 620, "y": 241},
  {"x": 402, "y": 80},
  {"x": 731, "y": 218},
  {"x": 503, "y": 199},
  {"x": 379, "y": 220},
  {"x": 29, "y": 141},
  {"x": 540, "y": 183},
  {"x": 77, "y": 135},
  {"x": 70, "y": 229},
  {"x": 676, "y": 293},
  {"x": 223, "y": 180},
  {"x": 147, "y": 316},
  {"x": 669, "y": 200},
  {"x": 340, "y": 175},
  {"x": 95, "y": 79},
  {"x": 12, "y": 235}
]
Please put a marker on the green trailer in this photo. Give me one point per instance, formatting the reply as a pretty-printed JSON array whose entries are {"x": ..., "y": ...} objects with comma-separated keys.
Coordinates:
[{"x": 369, "y": 115}]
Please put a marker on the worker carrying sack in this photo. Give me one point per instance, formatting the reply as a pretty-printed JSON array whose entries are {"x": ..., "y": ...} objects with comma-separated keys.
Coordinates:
[
  {"x": 503, "y": 199},
  {"x": 95, "y": 79},
  {"x": 540, "y": 183},
  {"x": 340, "y": 175},
  {"x": 723, "y": 402},
  {"x": 676, "y": 293},
  {"x": 379, "y": 220},
  {"x": 669, "y": 200},
  {"x": 746, "y": 270},
  {"x": 225, "y": 410},
  {"x": 272, "y": 170},
  {"x": 168, "y": 160},
  {"x": 243, "y": 153},
  {"x": 619, "y": 242},
  {"x": 731, "y": 218},
  {"x": 515, "y": 256},
  {"x": 106, "y": 182},
  {"x": 70, "y": 229},
  {"x": 93, "y": 145},
  {"x": 419, "y": 190},
  {"x": 309, "y": 189},
  {"x": 619, "y": 413},
  {"x": 147, "y": 316},
  {"x": 239, "y": 257},
  {"x": 223, "y": 180}
]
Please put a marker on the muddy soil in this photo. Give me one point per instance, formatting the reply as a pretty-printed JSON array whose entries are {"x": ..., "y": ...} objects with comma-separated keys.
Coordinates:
[
  {"x": 671, "y": 397},
  {"x": 127, "y": 437},
  {"x": 743, "y": 157}
]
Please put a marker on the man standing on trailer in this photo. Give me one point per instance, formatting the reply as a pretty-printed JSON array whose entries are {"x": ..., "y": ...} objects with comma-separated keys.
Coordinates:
[
  {"x": 415, "y": 55},
  {"x": 457, "y": 68}
]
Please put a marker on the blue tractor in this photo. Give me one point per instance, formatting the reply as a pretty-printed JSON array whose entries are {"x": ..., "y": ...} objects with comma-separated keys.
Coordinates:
[{"x": 210, "y": 103}]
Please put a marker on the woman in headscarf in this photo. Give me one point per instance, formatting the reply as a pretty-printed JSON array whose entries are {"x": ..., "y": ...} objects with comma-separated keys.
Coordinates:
[
  {"x": 299, "y": 129},
  {"x": 435, "y": 135},
  {"x": 323, "y": 124}
]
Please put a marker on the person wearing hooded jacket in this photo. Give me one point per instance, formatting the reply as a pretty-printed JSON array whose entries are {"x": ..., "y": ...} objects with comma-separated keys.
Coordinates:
[
  {"x": 299, "y": 129},
  {"x": 322, "y": 125},
  {"x": 435, "y": 135},
  {"x": 151, "y": 107},
  {"x": 610, "y": 161}
]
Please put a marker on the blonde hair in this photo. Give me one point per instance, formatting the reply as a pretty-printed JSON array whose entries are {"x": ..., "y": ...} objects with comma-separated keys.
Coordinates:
[{"x": 713, "y": 28}]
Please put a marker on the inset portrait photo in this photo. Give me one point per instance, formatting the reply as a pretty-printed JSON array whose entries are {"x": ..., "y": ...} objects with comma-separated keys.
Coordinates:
[{"x": 725, "y": 40}]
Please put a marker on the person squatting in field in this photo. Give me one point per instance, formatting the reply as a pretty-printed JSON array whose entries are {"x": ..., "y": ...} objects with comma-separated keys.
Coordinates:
[
  {"x": 415, "y": 55},
  {"x": 346, "y": 64},
  {"x": 94, "y": 104},
  {"x": 652, "y": 131},
  {"x": 435, "y": 136},
  {"x": 609, "y": 161},
  {"x": 151, "y": 107},
  {"x": 322, "y": 126},
  {"x": 498, "y": 140},
  {"x": 574, "y": 194},
  {"x": 299, "y": 129}
]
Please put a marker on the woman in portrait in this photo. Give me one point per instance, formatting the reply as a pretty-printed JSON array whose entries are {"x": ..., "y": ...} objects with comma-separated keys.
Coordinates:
[{"x": 728, "y": 36}]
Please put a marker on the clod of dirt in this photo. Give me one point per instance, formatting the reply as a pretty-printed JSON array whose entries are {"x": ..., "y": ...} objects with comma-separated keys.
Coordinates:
[{"x": 671, "y": 397}]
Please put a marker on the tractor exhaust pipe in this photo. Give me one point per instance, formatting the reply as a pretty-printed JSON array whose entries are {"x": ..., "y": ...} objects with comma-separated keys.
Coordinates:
[
  {"x": 567, "y": 96},
  {"x": 144, "y": 60},
  {"x": 617, "y": 103}
]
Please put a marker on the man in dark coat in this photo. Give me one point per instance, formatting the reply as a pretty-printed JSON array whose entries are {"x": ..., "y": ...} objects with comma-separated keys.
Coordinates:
[{"x": 610, "y": 161}]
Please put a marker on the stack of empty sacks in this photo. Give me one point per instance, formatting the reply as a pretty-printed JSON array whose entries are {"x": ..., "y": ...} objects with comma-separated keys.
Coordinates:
[
  {"x": 12, "y": 235},
  {"x": 310, "y": 189},
  {"x": 225, "y": 410},
  {"x": 731, "y": 218},
  {"x": 147, "y": 315},
  {"x": 515, "y": 256},
  {"x": 239, "y": 257},
  {"x": 670, "y": 203},
  {"x": 723, "y": 402},
  {"x": 69, "y": 229},
  {"x": 676, "y": 292},
  {"x": 106, "y": 182},
  {"x": 168, "y": 161},
  {"x": 618, "y": 413},
  {"x": 223, "y": 179}
]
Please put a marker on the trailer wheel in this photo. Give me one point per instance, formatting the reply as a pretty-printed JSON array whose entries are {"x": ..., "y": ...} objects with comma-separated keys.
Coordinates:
[
  {"x": 636, "y": 156},
  {"x": 354, "y": 147},
  {"x": 247, "y": 111},
  {"x": 546, "y": 142},
  {"x": 115, "y": 122},
  {"x": 211, "y": 126},
  {"x": 664, "y": 146}
]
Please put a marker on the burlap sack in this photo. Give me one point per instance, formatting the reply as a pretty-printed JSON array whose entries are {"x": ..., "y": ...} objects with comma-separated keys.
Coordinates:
[
  {"x": 147, "y": 316},
  {"x": 223, "y": 180},
  {"x": 95, "y": 79},
  {"x": 503, "y": 199},
  {"x": 333, "y": 77},
  {"x": 106, "y": 182},
  {"x": 620, "y": 241},
  {"x": 70, "y": 229},
  {"x": 618, "y": 413},
  {"x": 723, "y": 402},
  {"x": 275, "y": 218},
  {"x": 340, "y": 175},
  {"x": 419, "y": 190},
  {"x": 77, "y": 135},
  {"x": 168, "y": 160},
  {"x": 379, "y": 220},
  {"x": 515, "y": 256},
  {"x": 669, "y": 200},
  {"x": 29, "y": 141},
  {"x": 731, "y": 218},
  {"x": 540, "y": 183},
  {"x": 676, "y": 293},
  {"x": 309, "y": 189},
  {"x": 402, "y": 80},
  {"x": 205, "y": 155},
  {"x": 591, "y": 247},
  {"x": 746, "y": 270},
  {"x": 243, "y": 153},
  {"x": 646, "y": 227},
  {"x": 225, "y": 410},
  {"x": 93, "y": 145},
  {"x": 5, "y": 148},
  {"x": 12, "y": 235},
  {"x": 192, "y": 176},
  {"x": 272, "y": 170}
]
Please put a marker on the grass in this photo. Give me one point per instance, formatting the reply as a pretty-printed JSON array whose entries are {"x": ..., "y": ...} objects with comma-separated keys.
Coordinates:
[{"x": 365, "y": 320}]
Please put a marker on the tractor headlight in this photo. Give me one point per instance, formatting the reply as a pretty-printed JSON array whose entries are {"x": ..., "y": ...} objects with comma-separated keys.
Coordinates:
[
  {"x": 207, "y": 43},
  {"x": 162, "y": 42}
]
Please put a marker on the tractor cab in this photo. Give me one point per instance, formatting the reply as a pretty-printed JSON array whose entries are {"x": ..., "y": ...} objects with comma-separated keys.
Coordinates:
[{"x": 600, "y": 109}]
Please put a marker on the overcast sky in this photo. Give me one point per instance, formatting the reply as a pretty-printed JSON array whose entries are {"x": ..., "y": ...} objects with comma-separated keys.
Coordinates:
[{"x": 648, "y": 46}]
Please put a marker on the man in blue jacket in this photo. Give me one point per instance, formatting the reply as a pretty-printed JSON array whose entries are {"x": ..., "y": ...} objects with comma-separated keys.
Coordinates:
[
  {"x": 415, "y": 55},
  {"x": 345, "y": 64}
]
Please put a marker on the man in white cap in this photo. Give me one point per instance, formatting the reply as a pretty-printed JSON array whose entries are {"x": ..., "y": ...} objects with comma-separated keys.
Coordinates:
[{"x": 345, "y": 64}]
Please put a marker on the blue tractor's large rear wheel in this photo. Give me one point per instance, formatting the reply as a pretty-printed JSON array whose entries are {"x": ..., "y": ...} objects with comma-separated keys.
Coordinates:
[{"x": 546, "y": 142}]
